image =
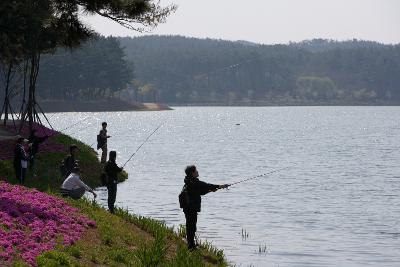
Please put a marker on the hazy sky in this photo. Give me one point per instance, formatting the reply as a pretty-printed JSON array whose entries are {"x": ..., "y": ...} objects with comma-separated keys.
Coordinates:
[{"x": 275, "y": 21}]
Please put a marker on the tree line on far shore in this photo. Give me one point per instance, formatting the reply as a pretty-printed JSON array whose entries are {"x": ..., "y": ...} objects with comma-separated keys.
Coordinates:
[
  {"x": 180, "y": 70},
  {"x": 189, "y": 70}
]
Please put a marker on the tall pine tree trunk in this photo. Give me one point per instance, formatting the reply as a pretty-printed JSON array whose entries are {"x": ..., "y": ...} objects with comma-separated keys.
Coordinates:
[
  {"x": 30, "y": 111},
  {"x": 6, "y": 103}
]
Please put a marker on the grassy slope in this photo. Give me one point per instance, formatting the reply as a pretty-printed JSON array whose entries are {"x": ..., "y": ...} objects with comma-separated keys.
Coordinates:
[
  {"x": 48, "y": 163},
  {"x": 119, "y": 240}
]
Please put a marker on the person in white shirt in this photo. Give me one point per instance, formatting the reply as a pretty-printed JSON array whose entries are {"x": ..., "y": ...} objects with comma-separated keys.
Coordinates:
[{"x": 74, "y": 187}]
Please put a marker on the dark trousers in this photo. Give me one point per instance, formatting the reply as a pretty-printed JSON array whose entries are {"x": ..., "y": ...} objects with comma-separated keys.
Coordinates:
[
  {"x": 104, "y": 154},
  {"x": 112, "y": 195},
  {"x": 32, "y": 163},
  {"x": 191, "y": 221},
  {"x": 20, "y": 174},
  {"x": 74, "y": 193}
]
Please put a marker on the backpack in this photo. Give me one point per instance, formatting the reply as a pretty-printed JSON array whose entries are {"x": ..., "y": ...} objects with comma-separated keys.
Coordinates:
[
  {"x": 100, "y": 142},
  {"x": 184, "y": 198}
]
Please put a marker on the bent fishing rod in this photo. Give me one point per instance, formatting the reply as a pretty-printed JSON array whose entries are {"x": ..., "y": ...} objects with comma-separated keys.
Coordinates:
[
  {"x": 258, "y": 176},
  {"x": 148, "y": 137}
]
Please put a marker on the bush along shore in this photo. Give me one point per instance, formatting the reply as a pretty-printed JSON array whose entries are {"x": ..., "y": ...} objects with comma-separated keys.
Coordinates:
[{"x": 40, "y": 228}]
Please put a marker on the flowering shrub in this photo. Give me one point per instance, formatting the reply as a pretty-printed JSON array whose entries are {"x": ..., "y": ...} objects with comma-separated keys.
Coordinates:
[
  {"x": 40, "y": 130},
  {"x": 32, "y": 222},
  {"x": 7, "y": 145}
]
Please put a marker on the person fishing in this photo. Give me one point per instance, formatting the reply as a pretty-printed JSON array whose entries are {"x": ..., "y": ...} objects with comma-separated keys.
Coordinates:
[
  {"x": 74, "y": 187},
  {"x": 34, "y": 140},
  {"x": 111, "y": 169},
  {"x": 68, "y": 164},
  {"x": 102, "y": 142},
  {"x": 190, "y": 201},
  {"x": 21, "y": 159}
]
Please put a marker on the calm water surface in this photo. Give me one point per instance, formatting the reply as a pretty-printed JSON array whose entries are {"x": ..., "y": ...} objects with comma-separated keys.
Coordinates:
[{"x": 336, "y": 205}]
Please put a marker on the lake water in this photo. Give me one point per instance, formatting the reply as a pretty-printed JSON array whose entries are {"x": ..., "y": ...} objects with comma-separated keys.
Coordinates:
[{"x": 337, "y": 203}]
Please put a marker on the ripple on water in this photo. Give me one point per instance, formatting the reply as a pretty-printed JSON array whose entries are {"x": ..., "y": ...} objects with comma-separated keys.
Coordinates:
[{"x": 337, "y": 206}]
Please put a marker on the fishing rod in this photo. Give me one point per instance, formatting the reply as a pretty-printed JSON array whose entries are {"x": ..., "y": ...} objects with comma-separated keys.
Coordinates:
[
  {"x": 74, "y": 124},
  {"x": 142, "y": 144},
  {"x": 258, "y": 176},
  {"x": 91, "y": 145}
]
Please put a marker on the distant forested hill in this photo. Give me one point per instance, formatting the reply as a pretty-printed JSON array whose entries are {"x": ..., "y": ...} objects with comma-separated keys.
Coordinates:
[
  {"x": 180, "y": 70},
  {"x": 321, "y": 45},
  {"x": 188, "y": 70}
]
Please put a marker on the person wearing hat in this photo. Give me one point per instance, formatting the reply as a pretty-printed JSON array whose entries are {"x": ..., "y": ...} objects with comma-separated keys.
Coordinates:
[
  {"x": 34, "y": 140},
  {"x": 111, "y": 169},
  {"x": 21, "y": 159},
  {"x": 74, "y": 187},
  {"x": 68, "y": 164},
  {"x": 195, "y": 189}
]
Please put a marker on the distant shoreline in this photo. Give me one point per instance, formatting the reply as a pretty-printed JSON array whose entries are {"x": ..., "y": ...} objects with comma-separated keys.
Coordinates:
[
  {"x": 108, "y": 105},
  {"x": 115, "y": 105},
  {"x": 283, "y": 104}
]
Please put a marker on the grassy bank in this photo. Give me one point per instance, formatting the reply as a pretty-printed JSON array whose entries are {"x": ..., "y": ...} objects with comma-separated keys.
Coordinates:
[
  {"x": 48, "y": 161},
  {"x": 122, "y": 239}
]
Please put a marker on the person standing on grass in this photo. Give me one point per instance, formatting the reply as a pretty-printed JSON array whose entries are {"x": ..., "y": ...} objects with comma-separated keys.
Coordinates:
[
  {"x": 195, "y": 189},
  {"x": 74, "y": 187},
  {"x": 111, "y": 169},
  {"x": 102, "y": 142},
  {"x": 21, "y": 159},
  {"x": 34, "y": 140}
]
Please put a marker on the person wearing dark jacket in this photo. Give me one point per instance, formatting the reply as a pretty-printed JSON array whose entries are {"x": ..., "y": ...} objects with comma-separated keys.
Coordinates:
[
  {"x": 195, "y": 189},
  {"x": 111, "y": 169},
  {"x": 70, "y": 162},
  {"x": 21, "y": 159},
  {"x": 34, "y": 148},
  {"x": 102, "y": 138}
]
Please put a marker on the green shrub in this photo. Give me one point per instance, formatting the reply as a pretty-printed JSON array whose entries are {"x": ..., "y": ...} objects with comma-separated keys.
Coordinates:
[
  {"x": 150, "y": 255},
  {"x": 75, "y": 251},
  {"x": 120, "y": 255},
  {"x": 7, "y": 170},
  {"x": 53, "y": 259},
  {"x": 185, "y": 258},
  {"x": 20, "y": 263}
]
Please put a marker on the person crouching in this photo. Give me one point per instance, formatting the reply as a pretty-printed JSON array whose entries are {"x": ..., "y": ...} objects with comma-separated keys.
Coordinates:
[{"x": 74, "y": 187}]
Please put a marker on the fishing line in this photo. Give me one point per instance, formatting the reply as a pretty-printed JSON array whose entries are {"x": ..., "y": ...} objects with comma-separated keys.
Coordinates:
[
  {"x": 258, "y": 176},
  {"x": 148, "y": 137},
  {"x": 74, "y": 124}
]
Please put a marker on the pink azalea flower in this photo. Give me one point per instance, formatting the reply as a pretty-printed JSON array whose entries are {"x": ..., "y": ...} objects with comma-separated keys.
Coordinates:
[{"x": 32, "y": 222}]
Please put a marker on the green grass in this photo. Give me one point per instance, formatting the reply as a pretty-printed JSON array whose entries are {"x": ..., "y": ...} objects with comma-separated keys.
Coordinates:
[
  {"x": 47, "y": 167},
  {"x": 120, "y": 239}
]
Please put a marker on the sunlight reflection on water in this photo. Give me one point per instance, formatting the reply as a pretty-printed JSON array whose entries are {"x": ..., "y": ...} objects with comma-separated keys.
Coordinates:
[{"x": 337, "y": 204}]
